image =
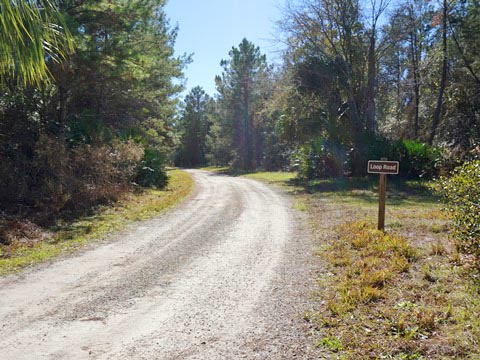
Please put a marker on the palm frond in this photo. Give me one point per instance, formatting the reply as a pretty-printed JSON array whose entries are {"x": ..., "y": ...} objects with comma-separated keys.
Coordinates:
[{"x": 30, "y": 33}]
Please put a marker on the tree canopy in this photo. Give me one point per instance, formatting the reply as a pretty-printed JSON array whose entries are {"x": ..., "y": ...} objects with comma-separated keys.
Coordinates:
[
  {"x": 104, "y": 121},
  {"x": 357, "y": 81}
]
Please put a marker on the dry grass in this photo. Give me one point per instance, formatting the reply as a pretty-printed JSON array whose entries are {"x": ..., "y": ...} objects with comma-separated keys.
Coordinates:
[{"x": 404, "y": 294}]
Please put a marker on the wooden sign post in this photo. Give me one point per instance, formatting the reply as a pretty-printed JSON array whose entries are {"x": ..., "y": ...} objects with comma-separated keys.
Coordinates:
[
  {"x": 382, "y": 167},
  {"x": 381, "y": 201}
]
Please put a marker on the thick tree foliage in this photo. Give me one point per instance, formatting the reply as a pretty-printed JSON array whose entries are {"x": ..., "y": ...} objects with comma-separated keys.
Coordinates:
[
  {"x": 240, "y": 99},
  {"x": 360, "y": 80},
  {"x": 333, "y": 58},
  {"x": 194, "y": 126},
  {"x": 104, "y": 120}
]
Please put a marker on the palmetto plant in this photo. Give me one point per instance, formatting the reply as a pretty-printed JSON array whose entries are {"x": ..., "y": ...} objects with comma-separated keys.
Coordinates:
[{"x": 31, "y": 34}]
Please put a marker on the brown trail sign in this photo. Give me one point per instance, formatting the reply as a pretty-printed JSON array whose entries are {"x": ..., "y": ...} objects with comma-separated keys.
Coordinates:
[{"x": 382, "y": 167}]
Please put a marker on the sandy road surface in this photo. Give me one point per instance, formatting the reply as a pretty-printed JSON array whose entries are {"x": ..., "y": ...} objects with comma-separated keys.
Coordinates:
[{"x": 223, "y": 276}]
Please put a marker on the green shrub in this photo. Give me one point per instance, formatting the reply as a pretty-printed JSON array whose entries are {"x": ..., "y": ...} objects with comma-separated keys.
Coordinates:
[
  {"x": 86, "y": 128},
  {"x": 376, "y": 147},
  {"x": 417, "y": 159},
  {"x": 461, "y": 191},
  {"x": 151, "y": 171},
  {"x": 320, "y": 159}
]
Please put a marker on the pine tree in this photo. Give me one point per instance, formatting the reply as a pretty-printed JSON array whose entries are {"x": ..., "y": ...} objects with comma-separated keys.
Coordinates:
[
  {"x": 238, "y": 88},
  {"x": 195, "y": 126}
]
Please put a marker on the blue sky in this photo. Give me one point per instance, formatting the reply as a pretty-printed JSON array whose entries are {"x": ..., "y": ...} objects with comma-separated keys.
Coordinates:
[{"x": 210, "y": 28}]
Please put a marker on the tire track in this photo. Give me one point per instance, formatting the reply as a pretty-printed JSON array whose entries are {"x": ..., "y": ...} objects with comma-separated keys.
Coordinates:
[{"x": 192, "y": 284}]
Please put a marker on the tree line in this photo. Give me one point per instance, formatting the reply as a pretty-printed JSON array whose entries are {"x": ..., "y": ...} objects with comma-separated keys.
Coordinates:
[
  {"x": 86, "y": 117},
  {"x": 359, "y": 81},
  {"x": 89, "y": 96}
]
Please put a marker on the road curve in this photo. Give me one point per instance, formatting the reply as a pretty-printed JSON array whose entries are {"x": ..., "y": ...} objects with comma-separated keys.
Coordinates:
[{"x": 223, "y": 276}]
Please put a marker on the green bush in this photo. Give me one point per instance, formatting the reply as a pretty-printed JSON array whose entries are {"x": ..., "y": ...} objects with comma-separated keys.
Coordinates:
[
  {"x": 320, "y": 159},
  {"x": 417, "y": 160},
  {"x": 87, "y": 128},
  {"x": 151, "y": 171},
  {"x": 461, "y": 192}
]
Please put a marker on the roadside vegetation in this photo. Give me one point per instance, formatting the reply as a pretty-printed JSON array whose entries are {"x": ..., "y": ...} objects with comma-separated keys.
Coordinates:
[
  {"x": 393, "y": 79},
  {"x": 87, "y": 98},
  {"x": 23, "y": 243},
  {"x": 408, "y": 293},
  {"x": 90, "y": 117},
  {"x": 88, "y": 95}
]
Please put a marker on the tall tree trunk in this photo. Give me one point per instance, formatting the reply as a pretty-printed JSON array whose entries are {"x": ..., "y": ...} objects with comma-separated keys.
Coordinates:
[
  {"x": 416, "y": 90},
  {"x": 466, "y": 61},
  {"x": 247, "y": 156},
  {"x": 414, "y": 59},
  {"x": 194, "y": 155},
  {"x": 357, "y": 132},
  {"x": 438, "y": 109},
  {"x": 398, "y": 111},
  {"x": 372, "y": 71}
]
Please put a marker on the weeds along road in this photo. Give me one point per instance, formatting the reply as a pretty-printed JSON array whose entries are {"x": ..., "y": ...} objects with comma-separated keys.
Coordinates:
[{"x": 223, "y": 276}]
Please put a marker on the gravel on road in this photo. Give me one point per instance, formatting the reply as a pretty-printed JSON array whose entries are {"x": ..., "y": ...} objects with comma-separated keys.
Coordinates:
[{"x": 228, "y": 274}]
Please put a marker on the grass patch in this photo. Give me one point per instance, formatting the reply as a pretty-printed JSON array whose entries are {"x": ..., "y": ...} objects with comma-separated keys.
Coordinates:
[
  {"x": 354, "y": 191},
  {"x": 387, "y": 299},
  {"x": 300, "y": 205},
  {"x": 375, "y": 260},
  {"x": 331, "y": 344},
  {"x": 403, "y": 294},
  {"x": 364, "y": 191},
  {"x": 273, "y": 177},
  {"x": 283, "y": 178},
  {"x": 69, "y": 237},
  {"x": 287, "y": 181}
]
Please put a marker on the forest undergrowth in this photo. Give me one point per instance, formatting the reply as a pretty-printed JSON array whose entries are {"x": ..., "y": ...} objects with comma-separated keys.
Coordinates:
[{"x": 24, "y": 243}]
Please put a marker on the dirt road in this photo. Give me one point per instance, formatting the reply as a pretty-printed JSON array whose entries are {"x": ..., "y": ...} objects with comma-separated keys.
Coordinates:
[{"x": 223, "y": 276}]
